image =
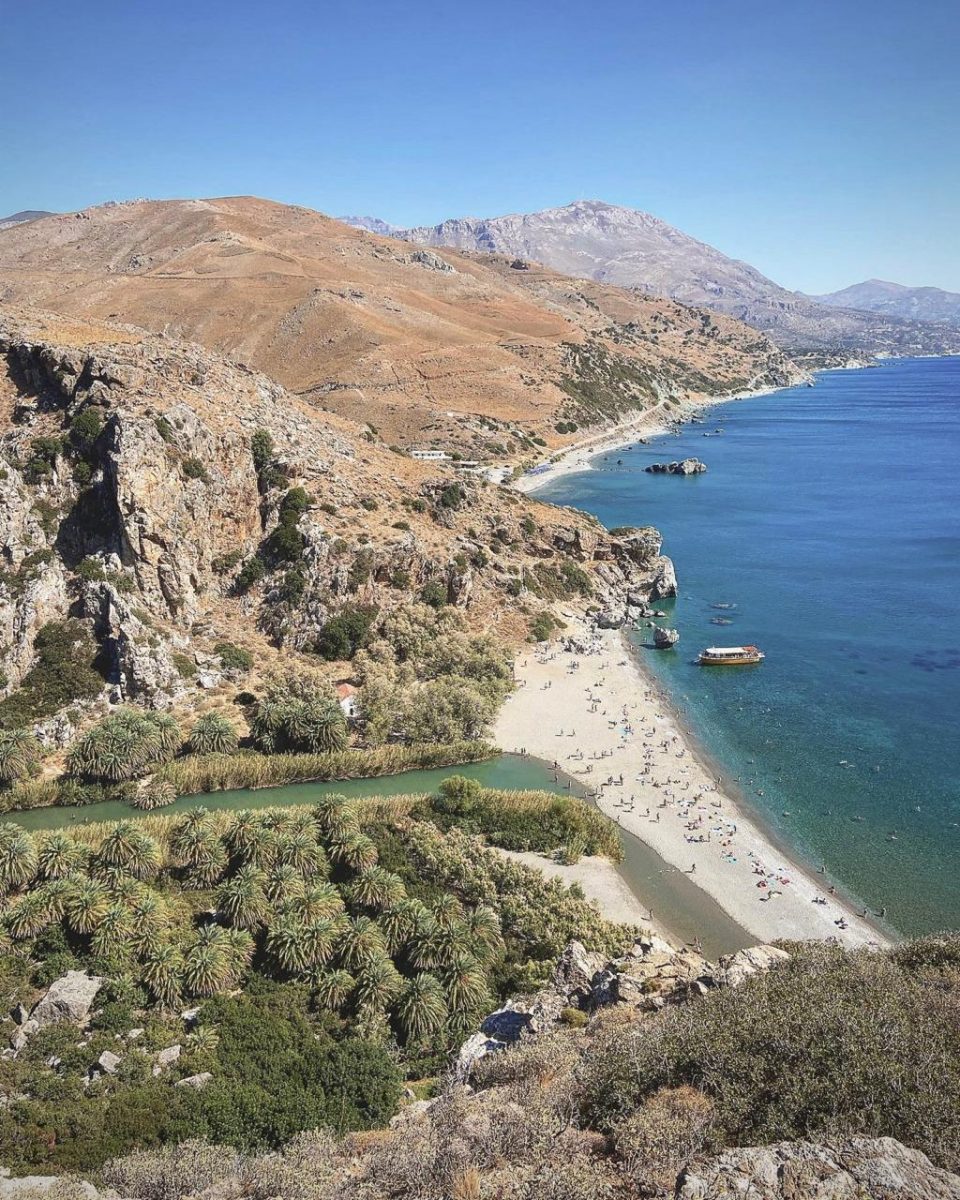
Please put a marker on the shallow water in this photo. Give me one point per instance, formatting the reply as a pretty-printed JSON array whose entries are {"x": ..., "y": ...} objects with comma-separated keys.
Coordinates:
[{"x": 829, "y": 519}]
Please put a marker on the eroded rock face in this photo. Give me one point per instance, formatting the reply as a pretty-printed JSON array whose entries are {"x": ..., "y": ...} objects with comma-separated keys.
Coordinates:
[
  {"x": 664, "y": 638},
  {"x": 852, "y": 1169}
]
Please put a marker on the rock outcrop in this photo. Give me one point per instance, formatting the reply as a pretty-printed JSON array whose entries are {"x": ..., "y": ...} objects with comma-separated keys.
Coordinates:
[
  {"x": 686, "y": 466},
  {"x": 68, "y": 998},
  {"x": 665, "y": 639},
  {"x": 851, "y": 1169}
]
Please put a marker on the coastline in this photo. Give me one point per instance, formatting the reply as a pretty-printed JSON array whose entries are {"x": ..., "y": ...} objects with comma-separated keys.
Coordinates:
[
  {"x": 676, "y": 796},
  {"x": 654, "y": 422}
]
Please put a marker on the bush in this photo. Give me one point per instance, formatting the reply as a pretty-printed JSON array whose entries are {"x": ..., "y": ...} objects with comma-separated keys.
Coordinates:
[
  {"x": 542, "y": 627},
  {"x": 164, "y": 428},
  {"x": 85, "y": 429},
  {"x": 193, "y": 468},
  {"x": 666, "y": 1132},
  {"x": 831, "y": 1043},
  {"x": 186, "y": 667},
  {"x": 63, "y": 673},
  {"x": 223, "y": 564},
  {"x": 346, "y": 633},
  {"x": 369, "y": 504},
  {"x": 434, "y": 593},
  {"x": 261, "y": 449},
  {"x": 252, "y": 572},
  {"x": 233, "y": 658},
  {"x": 452, "y": 496}
]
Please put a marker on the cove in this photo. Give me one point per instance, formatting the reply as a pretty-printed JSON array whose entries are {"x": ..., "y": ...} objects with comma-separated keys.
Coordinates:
[{"x": 827, "y": 531}]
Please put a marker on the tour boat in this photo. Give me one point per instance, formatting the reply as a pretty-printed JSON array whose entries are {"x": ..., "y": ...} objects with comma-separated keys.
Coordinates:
[{"x": 730, "y": 656}]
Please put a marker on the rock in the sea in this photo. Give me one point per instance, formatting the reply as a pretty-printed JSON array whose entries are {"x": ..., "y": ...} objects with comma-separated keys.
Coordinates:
[
  {"x": 686, "y": 466},
  {"x": 664, "y": 582},
  {"x": 69, "y": 998},
  {"x": 851, "y": 1169},
  {"x": 664, "y": 638}
]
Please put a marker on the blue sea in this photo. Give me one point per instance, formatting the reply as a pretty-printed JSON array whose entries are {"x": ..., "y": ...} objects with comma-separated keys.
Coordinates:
[{"x": 827, "y": 531}]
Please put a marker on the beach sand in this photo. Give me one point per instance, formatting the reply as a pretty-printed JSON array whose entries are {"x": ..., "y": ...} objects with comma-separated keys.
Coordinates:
[
  {"x": 654, "y": 422},
  {"x": 569, "y": 709},
  {"x": 600, "y": 880}
]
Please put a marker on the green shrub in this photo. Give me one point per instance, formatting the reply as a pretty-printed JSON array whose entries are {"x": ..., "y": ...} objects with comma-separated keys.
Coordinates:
[
  {"x": 434, "y": 593},
  {"x": 194, "y": 468},
  {"x": 186, "y": 666},
  {"x": 164, "y": 428},
  {"x": 369, "y": 504},
  {"x": 297, "y": 716},
  {"x": 233, "y": 658},
  {"x": 452, "y": 496},
  {"x": 252, "y": 572},
  {"x": 542, "y": 627},
  {"x": 223, "y": 564},
  {"x": 286, "y": 544},
  {"x": 85, "y": 429},
  {"x": 328, "y": 508},
  {"x": 832, "y": 1043},
  {"x": 63, "y": 672},
  {"x": 261, "y": 449},
  {"x": 346, "y": 633}
]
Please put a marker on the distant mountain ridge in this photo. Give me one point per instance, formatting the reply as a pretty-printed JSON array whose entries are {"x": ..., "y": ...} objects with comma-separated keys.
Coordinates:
[
  {"x": 894, "y": 299},
  {"x": 24, "y": 217},
  {"x": 371, "y": 225},
  {"x": 616, "y": 245}
]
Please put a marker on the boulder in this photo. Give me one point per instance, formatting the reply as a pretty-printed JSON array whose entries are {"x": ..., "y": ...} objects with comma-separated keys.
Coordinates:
[
  {"x": 664, "y": 582},
  {"x": 108, "y": 1061},
  {"x": 166, "y": 1058},
  {"x": 611, "y": 618},
  {"x": 197, "y": 1082},
  {"x": 664, "y": 638},
  {"x": 733, "y": 969},
  {"x": 848, "y": 1169},
  {"x": 576, "y": 970},
  {"x": 33, "y": 1187},
  {"x": 69, "y": 998},
  {"x": 686, "y": 466}
]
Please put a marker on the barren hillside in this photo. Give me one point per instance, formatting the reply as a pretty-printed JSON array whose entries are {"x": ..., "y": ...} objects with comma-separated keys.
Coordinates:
[{"x": 422, "y": 345}]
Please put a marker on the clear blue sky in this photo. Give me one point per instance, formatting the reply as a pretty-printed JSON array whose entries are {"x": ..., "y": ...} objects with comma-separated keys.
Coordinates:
[{"x": 817, "y": 139}]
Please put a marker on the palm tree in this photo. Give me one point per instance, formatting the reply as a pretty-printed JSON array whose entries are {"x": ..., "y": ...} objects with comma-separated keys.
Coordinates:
[
  {"x": 300, "y": 850},
  {"x": 111, "y": 938},
  {"x": 196, "y": 847},
  {"x": 124, "y": 745},
  {"x": 155, "y": 793},
  {"x": 287, "y": 944},
  {"x": 128, "y": 847},
  {"x": 320, "y": 725},
  {"x": 162, "y": 973},
  {"x": 361, "y": 941},
  {"x": 355, "y": 851},
  {"x": 209, "y": 864},
  {"x": 239, "y": 946},
  {"x": 207, "y": 966},
  {"x": 18, "y": 858},
  {"x": 57, "y": 855},
  {"x": 283, "y": 885},
  {"x": 148, "y": 915},
  {"x": 319, "y": 942},
  {"x": 56, "y": 893},
  {"x": 433, "y": 946},
  {"x": 332, "y": 989},
  {"x": 379, "y": 982},
  {"x": 447, "y": 911},
  {"x": 20, "y": 754},
  {"x": 401, "y": 922},
  {"x": 204, "y": 1039},
  {"x": 122, "y": 886},
  {"x": 212, "y": 734},
  {"x": 241, "y": 900},
  {"x": 318, "y": 901},
  {"x": 259, "y": 847},
  {"x": 88, "y": 901},
  {"x": 465, "y": 984},
  {"x": 328, "y": 811},
  {"x": 422, "y": 1007},
  {"x": 376, "y": 888},
  {"x": 481, "y": 927},
  {"x": 29, "y": 916}
]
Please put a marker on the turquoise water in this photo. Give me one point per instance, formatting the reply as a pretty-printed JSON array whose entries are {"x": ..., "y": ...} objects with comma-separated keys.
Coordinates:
[
  {"x": 830, "y": 518},
  {"x": 506, "y": 771}
]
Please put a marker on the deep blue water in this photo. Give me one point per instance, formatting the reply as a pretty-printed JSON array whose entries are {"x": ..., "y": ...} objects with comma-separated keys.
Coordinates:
[{"x": 830, "y": 518}]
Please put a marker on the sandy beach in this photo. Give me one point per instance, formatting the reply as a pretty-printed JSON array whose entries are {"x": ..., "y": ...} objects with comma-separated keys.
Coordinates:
[
  {"x": 597, "y": 716},
  {"x": 655, "y": 421}
]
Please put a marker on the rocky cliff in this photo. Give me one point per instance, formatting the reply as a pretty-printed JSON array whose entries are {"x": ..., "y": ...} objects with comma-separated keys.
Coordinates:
[{"x": 131, "y": 498}]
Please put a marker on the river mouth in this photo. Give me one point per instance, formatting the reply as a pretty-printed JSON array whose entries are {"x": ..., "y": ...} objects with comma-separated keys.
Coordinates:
[{"x": 684, "y": 910}]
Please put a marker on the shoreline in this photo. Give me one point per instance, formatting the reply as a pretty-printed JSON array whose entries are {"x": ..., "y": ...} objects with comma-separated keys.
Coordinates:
[
  {"x": 653, "y": 422},
  {"x": 669, "y": 797}
]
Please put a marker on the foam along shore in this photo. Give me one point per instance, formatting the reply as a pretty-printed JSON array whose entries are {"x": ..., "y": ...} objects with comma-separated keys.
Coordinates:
[
  {"x": 653, "y": 422},
  {"x": 596, "y": 715}
]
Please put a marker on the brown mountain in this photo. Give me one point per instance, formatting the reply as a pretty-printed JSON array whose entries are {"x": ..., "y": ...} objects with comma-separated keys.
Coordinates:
[
  {"x": 634, "y": 249},
  {"x": 422, "y": 345}
]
